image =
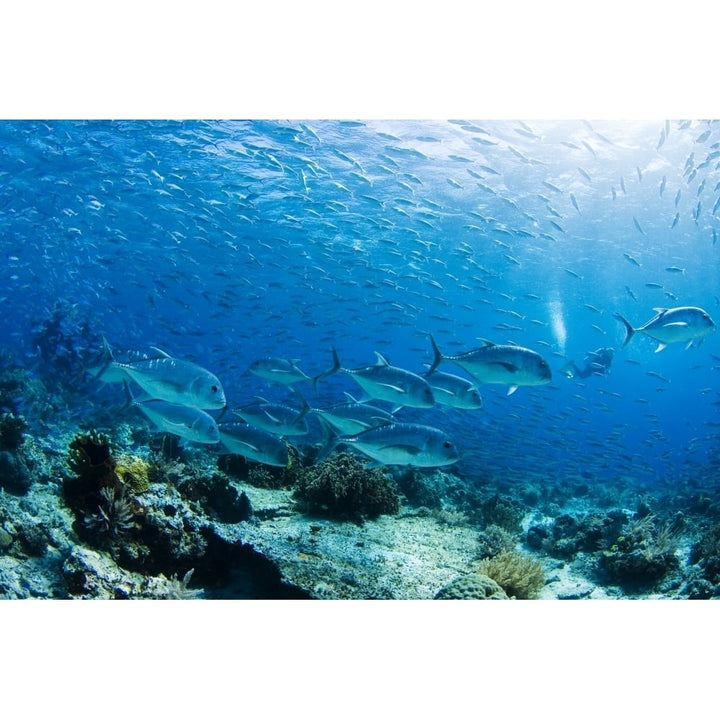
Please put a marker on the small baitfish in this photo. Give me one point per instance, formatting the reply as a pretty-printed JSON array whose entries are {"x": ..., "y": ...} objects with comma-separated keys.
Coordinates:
[
  {"x": 680, "y": 324},
  {"x": 502, "y": 364},
  {"x": 239, "y": 438},
  {"x": 383, "y": 381},
  {"x": 400, "y": 444},
  {"x": 167, "y": 378},
  {"x": 278, "y": 370}
]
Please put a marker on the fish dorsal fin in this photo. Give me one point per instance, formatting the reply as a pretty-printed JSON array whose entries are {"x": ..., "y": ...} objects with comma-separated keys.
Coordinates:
[
  {"x": 381, "y": 359},
  {"x": 160, "y": 352},
  {"x": 512, "y": 389},
  {"x": 351, "y": 399},
  {"x": 486, "y": 343},
  {"x": 660, "y": 310},
  {"x": 660, "y": 347}
]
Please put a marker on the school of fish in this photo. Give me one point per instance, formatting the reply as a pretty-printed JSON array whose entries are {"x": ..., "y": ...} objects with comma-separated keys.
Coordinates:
[{"x": 345, "y": 277}]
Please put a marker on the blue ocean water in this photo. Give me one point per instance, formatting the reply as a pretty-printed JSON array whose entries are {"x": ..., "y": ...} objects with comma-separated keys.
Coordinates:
[{"x": 225, "y": 241}]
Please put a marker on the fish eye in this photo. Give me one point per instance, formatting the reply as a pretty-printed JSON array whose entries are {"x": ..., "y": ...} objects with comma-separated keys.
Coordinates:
[
  {"x": 447, "y": 444},
  {"x": 214, "y": 388}
]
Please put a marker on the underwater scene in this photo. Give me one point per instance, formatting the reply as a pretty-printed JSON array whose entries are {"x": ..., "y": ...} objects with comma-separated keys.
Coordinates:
[{"x": 359, "y": 359}]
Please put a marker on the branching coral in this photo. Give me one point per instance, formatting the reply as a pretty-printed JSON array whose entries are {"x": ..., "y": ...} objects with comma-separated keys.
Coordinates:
[
  {"x": 116, "y": 513},
  {"x": 642, "y": 554},
  {"x": 519, "y": 575}
]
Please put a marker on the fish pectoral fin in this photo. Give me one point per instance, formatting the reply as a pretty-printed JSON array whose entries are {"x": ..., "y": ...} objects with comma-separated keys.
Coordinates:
[
  {"x": 512, "y": 389},
  {"x": 409, "y": 449},
  {"x": 394, "y": 388},
  {"x": 676, "y": 324},
  {"x": 507, "y": 366},
  {"x": 272, "y": 418}
]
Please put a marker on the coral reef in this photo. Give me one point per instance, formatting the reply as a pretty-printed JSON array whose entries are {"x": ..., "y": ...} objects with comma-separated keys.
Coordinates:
[
  {"x": 643, "y": 554},
  {"x": 420, "y": 489},
  {"x": 494, "y": 540},
  {"x": 500, "y": 510},
  {"x": 568, "y": 534},
  {"x": 473, "y": 586},
  {"x": 66, "y": 345},
  {"x": 342, "y": 488},
  {"x": 133, "y": 472},
  {"x": 706, "y": 553},
  {"x": 12, "y": 429},
  {"x": 520, "y": 575},
  {"x": 15, "y": 476}
]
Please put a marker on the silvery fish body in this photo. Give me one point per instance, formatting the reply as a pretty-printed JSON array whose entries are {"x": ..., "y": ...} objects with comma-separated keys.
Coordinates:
[
  {"x": 278, "y": 370},
  {"x": 454, "y": 391},
  {"x": 353, "y": 417},
  {"x": 167, "y": 378},
  {"x": 404, "y": 444},
  {"x": 275, "y": 418},
  {"x": 383, "y": 381},
  {"x": 502, "y": 364},
  {"x": 253, "y": 443},
  {"x": 680, "y": 324},
  {"x": 186, "y": 422}
]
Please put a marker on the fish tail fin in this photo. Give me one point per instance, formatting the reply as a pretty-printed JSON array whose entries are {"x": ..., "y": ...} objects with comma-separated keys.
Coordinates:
[
  {"x": 330, "y": 441},
  {"x": 108, "y": 359},
  {"x": 437, "y": 359},
  {"x": 335, "y": 368},
  {"x": 629, "y": 329},
  {"x": 129, "y": 399},
  {"x": 305, "y": 406}
]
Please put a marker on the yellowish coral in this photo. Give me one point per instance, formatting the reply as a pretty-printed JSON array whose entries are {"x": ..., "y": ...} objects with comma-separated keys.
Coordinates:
[
  {"x": 134, "y": 472},
  {"x": 519, "y": 575}
]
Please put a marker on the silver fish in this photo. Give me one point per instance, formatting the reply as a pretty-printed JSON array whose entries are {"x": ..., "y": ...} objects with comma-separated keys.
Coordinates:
[
  {"x": 383, "y": 381},
  {"x": 167, "y": 378},
  {"x": 353, "y": 417},
  {"x": 502, "y": 364},
  {"x": 278, "y": 370},
  {"x": 275, "y": 418},
  {"x": 454, "y": 391},
  {"x": 401, "y": 444},
  {"x": 253, "y": 443},
  {"x": 188, "y": 423},
  {"x": 680, "y": 324}
]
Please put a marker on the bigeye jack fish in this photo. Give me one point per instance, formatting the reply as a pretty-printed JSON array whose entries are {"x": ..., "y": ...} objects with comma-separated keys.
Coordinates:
[
  {"x": 400, "y": 444},
  {"x": 279, "y": 370},
  {"x": 502, "y": 364},
  {"x": 680, "y": 324},
  {"x": 384, "y": 381},
  {"x": 188, "y": 423},
  {"x": 167, "y": 378},
  {"x": 239, "y": 438},
  {"x": 454, "y": 391}
]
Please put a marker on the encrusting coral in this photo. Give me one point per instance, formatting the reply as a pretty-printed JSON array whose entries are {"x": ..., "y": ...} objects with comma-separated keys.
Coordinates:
[
  {"x": 343, "y": 488},
  {"x": 473, "y": 586}
]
